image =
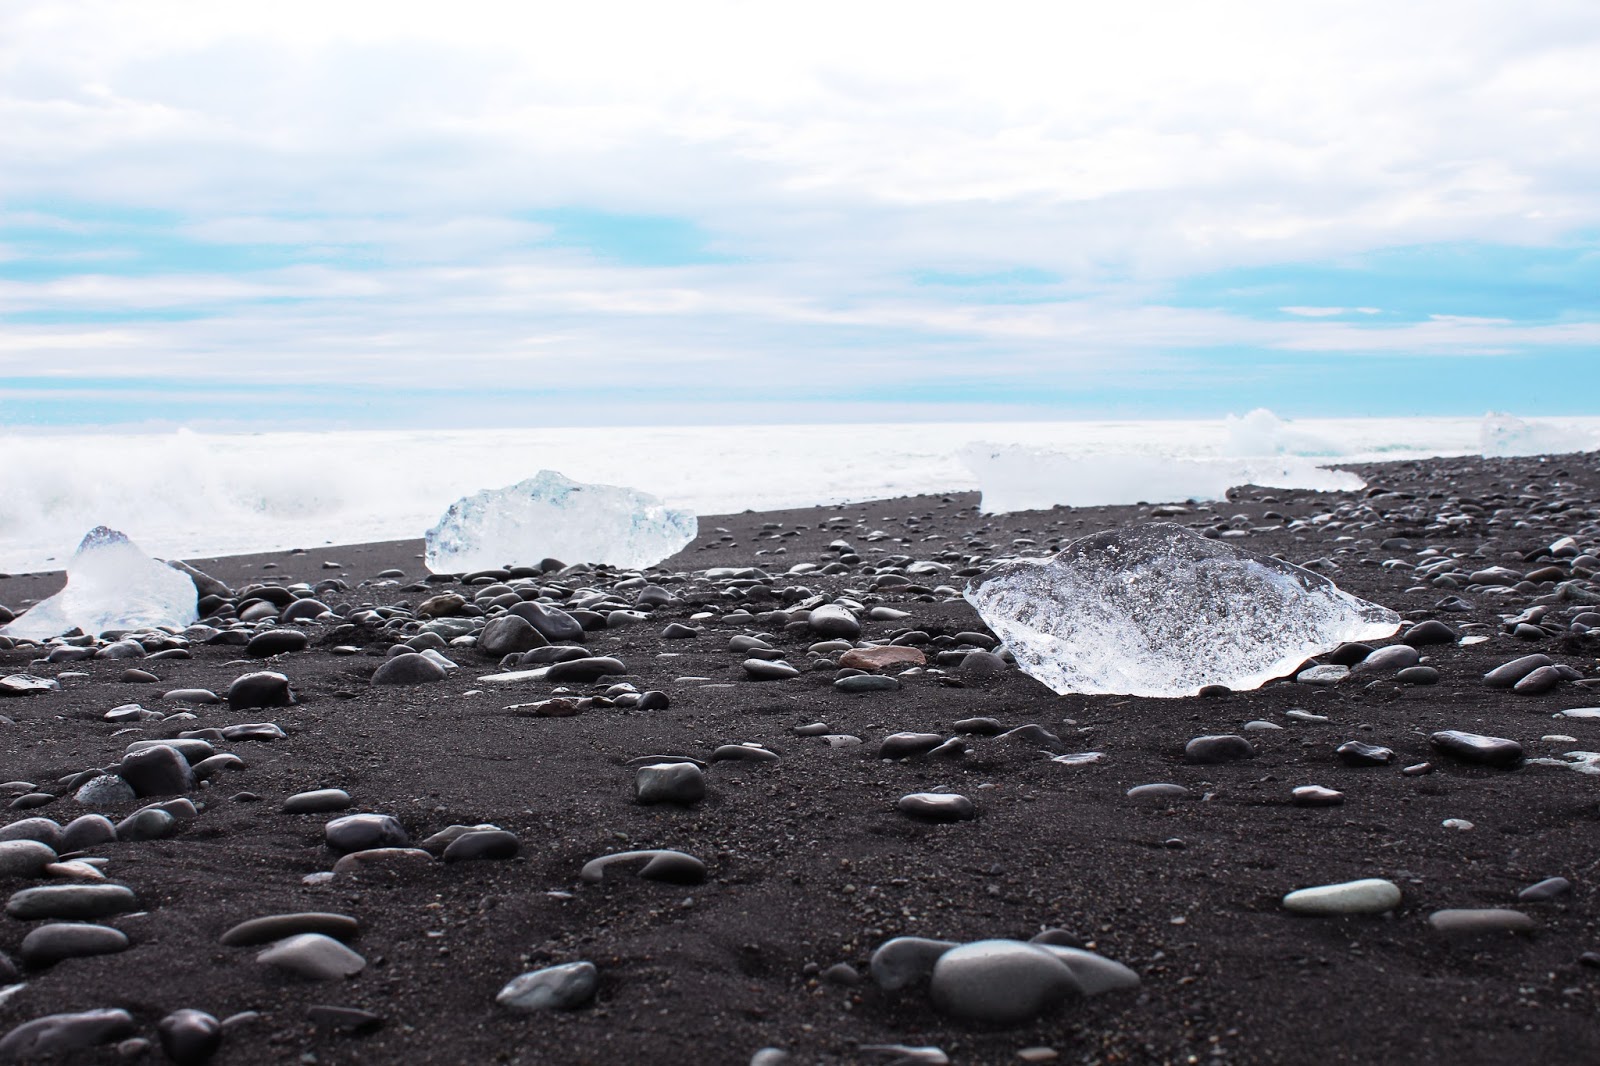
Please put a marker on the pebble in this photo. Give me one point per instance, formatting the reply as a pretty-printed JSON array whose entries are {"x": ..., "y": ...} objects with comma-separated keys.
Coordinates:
[
  {"x": 71, "y": 902},
  {"x": 1322, "y": 675},
  {"x": 266, "y": 688},
  {"x": 148, "y": 823},
  {"x": 1003, "y": 982},
  {"x": 856, "y": 684},
  {"x": 105, "y": 790},
  {"x": 669, "y": 783},
  {"x": 906, "y": 745},
  {"x": 1358, "y": 753},
  {"x": 313, "y": 955},
  {"x": 1429, "y": 632},
  {"x": 390, "y": 861},
  {"x": 1548, "y": 889},
  {"x": 937, "y": 807},
  {"x": 881, "y": 658},
  {"x": 158, "y": 770},
  {"x": 1508, "y": 674},
  {"x": 49, "y": 944},
  {"x": 1218, "y": 749},
  {"x": 674, "y": 867},
  {"x": 1371, "y": 895},
  {"x": 769, "y": 670},
  {"x": 587, "y": 669},
  {"x": 1540, "y": 681},
  {"x": 189, "y": 1036},
  {"x": 318, "y": 801},
  {"x": 410, "y": 668},
  {"x": 1316, "y": 796},
  {"x": 905, "y": 960},
  {"x": 1480, "y": 921},
  {"x": 744, "y": 753},
  {"x": 483, "y": 844},
  {"x": 63, "y": 1034},
  {"x": 359, "y": 832},
  {"x": 831, "y": 620},
  {"x": 276, "y": 642},
  {"x": 24, "y": 858},
  {"x": 86, "y": 832},
  {"x": 1476, "y": 748},
  {"x": 44, "y": 830},
  {"x": 1161, "y": 791},
  {"x": 274, "y": 927},
  {"x": 552, "y": 988}
]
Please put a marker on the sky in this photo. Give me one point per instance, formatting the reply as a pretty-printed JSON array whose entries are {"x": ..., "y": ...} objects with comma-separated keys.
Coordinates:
[{"x": 344, "y": 213}]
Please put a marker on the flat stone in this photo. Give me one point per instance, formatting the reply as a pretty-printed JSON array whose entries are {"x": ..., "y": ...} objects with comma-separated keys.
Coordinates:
[
  {"x": 1316, "y": 796},
  {"x": 1359, "y": 753},
  {"x": 276, "y": 642},
  {"x": 47, "y": 945},
  {"x": 149, "y": 823},
  {"x": 105, "y": 790},
  {"x": 744, "y": 753},
  {"x": 1218, "y": 749},
  {"x": 273, "y": 927},
  {"x": 63, "y": 1034},
  {"x": 1164, "y": 791},
  {"x": 410, "y": 668},
  {"x": 390, "y": 861},
  {"x": 937, "y": 807},
  {"x": 552, "y": 988},
  {"x": 906, "y": 745},
  {"x": 1548, "y": 889},
  {"x": 318, "y": 801},
  {"x": 1508, "y": 674},
  {"x": 482, "y": 844},
  {"x": 313, "y": 955},
  {"x": 882, "y": 658},
  {"x": 1476, "y": 748},
  {"x": 858, "y": 684},
  {"x": 359, "y": 832},
  {"x": 1371, "y": 895},
  {"x": 266, "y": 688},
  {"x": 673, "y": 867},
  {"x": 1322, "y": 675},
  {"x": 1003, "y": 982},
  {"x": 1484, "y": 921},
  {"x": 24, "y": 858},
  {"x": 769, "y": 670},
  {"x": 71, "y": 902},
  {"x": 1095, "y": 974}
]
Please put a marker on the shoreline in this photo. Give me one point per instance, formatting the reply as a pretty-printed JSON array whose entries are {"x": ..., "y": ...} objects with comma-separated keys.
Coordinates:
[{"x": 809, "y": 864}]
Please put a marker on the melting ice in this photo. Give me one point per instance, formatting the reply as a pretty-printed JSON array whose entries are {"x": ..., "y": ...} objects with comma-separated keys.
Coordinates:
[
  {"x": 551, "y": 516},
  {"x": 1158, "y": 610},
  {"x": 111, "y": 586}
]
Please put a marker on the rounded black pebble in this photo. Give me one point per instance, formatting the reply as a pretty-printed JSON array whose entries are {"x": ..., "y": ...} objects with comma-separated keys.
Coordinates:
[
  {"x": 411, "y": 668},
  {"x": 654, "y": 700},
  {"x": 1218, "y": 749},
  {"x": 1476, "y": 748},
  {"x": 276, "y": 642},
  {"x": 483, "y": 844},
  {"x": 189, "y": 1036},
  {"x": 267, "y": 688},
  {"x": 1432, "y": 631}
]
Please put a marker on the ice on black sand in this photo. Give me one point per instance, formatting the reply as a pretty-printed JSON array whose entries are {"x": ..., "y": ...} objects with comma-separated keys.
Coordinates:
[
  {"x": 1158, "y": 610},
  {"x": 111, "y": 586},
  {"x": 551, "y": 516}
]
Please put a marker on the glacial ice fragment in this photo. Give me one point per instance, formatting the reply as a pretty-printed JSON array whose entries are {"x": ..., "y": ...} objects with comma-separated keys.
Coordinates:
[
  {"x": 1158, "y": 610},
  {"x": 551, "y": 516},
  {"x": 111, "y": 585}
]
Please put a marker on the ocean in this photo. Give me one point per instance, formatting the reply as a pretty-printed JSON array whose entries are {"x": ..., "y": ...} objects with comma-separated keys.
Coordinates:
[{"x": 190, "y": 494}]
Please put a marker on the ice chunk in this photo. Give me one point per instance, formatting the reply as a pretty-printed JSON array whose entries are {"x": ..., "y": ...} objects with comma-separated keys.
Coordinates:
[
  {"x": 111, "y": 585},
  {"x": 1504, "y": 435},
  {"x": 1018, "y": 478},
  {"x": 1157, "y": 610},
  {"x": 550, "y": 516}
]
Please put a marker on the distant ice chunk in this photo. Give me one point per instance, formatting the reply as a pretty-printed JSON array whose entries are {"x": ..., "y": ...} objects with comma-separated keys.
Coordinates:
[
  {"x": 1507, "y": 435},
  {"x": 1263, "y": 433},
  {"x": 1019, "y": 478},
  {"x": 1158, "y": 610},
  {"x": 550, "y": 516},
  {"x": 111, "y": 585}
]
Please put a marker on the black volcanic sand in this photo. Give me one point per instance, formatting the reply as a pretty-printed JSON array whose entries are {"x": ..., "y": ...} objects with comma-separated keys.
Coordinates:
[{"x": 809, "y": 862}]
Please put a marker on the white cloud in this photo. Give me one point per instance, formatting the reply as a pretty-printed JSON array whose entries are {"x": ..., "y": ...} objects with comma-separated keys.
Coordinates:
[{"x": 832, "y": 150}]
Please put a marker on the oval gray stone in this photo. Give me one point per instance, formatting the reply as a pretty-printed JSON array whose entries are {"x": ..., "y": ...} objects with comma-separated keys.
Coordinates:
[
  {"x": 71, "y": 901},
  {"x": 552, "y": 988},
  {"x": 47, "y": 945},
  {"x": 313, "y": 955},
  {"x": 1003, "y": 982}
]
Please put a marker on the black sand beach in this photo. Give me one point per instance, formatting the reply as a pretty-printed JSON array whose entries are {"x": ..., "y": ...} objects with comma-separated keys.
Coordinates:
[{"x": 809, "y": 865}]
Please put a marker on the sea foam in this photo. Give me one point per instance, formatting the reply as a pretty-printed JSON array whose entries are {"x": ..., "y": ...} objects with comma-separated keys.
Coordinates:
[{"x": 187, "y": 494}]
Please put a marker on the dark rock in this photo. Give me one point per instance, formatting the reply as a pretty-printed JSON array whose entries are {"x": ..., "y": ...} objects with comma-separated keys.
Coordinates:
[
  {"x": 937, "y": 807},
  {"x": 274, "y": 927},
  {"x": 264, "y": 689},
  {"x": 276, "y": 642},
  {"x": 410, "y": 668},
  {"x": 189, "y": 1036},
  {"x": 64, "y": 1034},
  {"x": 1548, "y": 889},
  {"x": 482, "y": 844},
  {"x": 359, "y": 832},
  {"x": 1508, "y": 674},
  {"x": 1359, "y": 753},
  {"x": 509, "y": 634},
  {"x": 590, "y": 669},
  {"x": 1218, "y": 749},
  {"x": 47, "y": 945},
  {"x": 160, "y": 770},
  {"x": 1476, "y": 748}
]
